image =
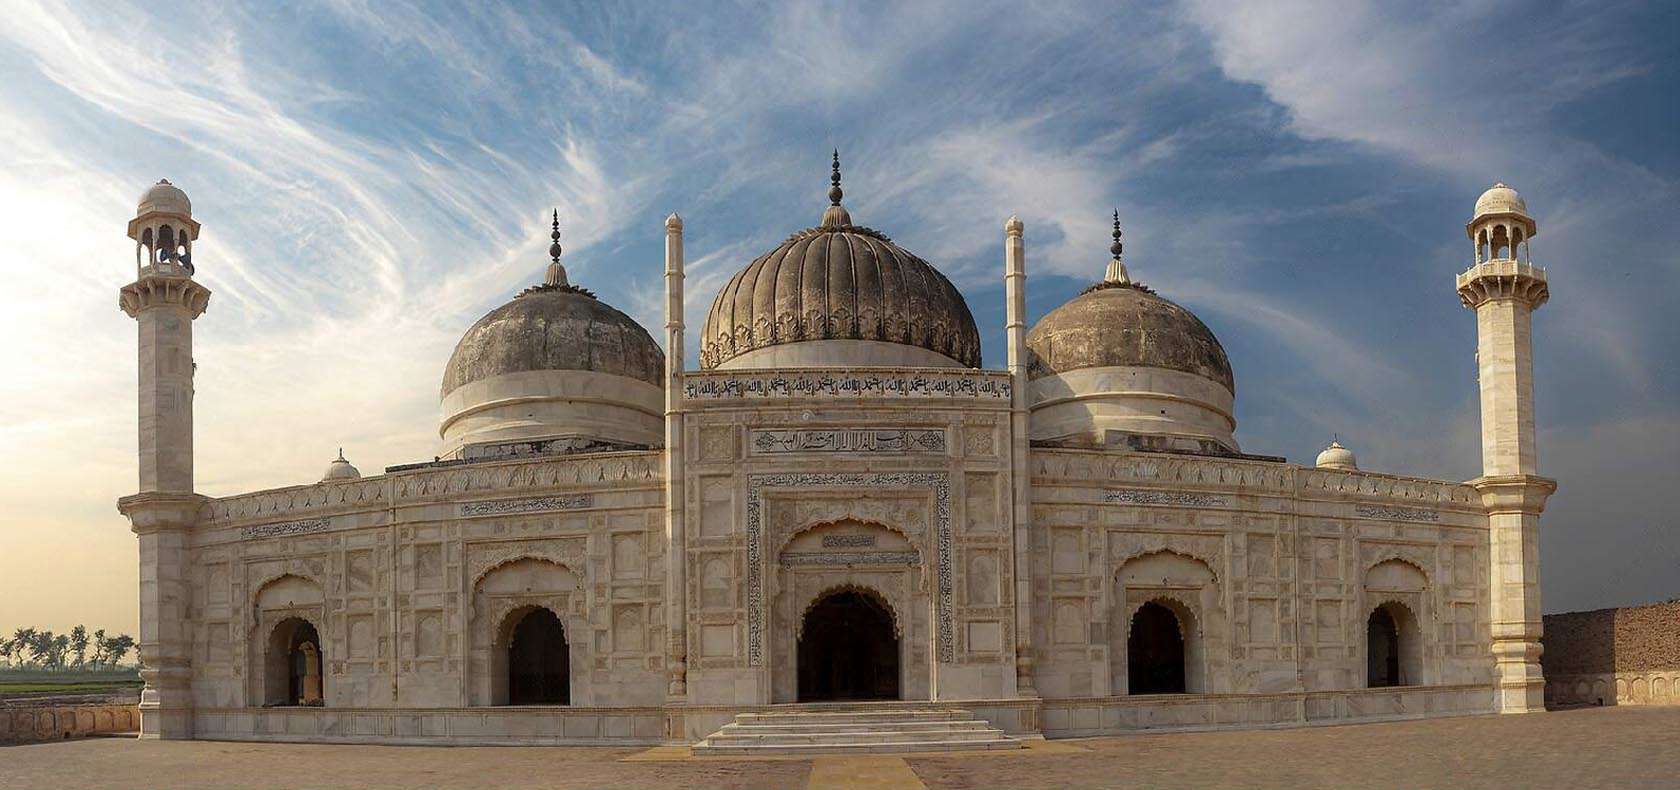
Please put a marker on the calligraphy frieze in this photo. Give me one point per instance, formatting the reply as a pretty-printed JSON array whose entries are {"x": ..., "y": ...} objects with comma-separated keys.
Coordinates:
[
  {"x": 1397, "y": 513},
  {"x": 285, "y": 528},
  {"x": 534, "y": 505},
  {"x": 848, "y": 440},
  {"x": 1185, "y": 498},
  {"x": 852, "y": 558}
]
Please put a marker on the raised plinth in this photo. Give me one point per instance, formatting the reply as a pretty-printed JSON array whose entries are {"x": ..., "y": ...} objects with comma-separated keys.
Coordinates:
[
  {"x": 1503, "y": 278},
  {"x": 863, "y": 728}
]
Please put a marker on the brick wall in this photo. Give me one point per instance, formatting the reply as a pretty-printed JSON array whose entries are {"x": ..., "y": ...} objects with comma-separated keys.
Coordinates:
[{"x": 1633, "y": 639}]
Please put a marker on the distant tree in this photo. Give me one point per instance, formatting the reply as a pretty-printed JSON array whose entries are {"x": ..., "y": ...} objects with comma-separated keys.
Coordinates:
[
  {"x": 6, "y": 650},
  {"x": 79, "y": 645},
  {"x": 23, "y": 639},
  {"x": 117, "y": 647},
  {"x": 99, "y": 647}
]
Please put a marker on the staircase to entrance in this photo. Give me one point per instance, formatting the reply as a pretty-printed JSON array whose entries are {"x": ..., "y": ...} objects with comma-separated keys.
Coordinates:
[{"x": 832, "y": 728}]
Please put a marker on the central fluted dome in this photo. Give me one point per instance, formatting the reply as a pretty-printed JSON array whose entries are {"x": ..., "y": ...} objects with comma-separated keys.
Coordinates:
[{"x": 839, "y": 282}]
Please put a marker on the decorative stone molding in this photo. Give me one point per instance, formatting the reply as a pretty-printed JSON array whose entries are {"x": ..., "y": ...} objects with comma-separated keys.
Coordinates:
[
  {"x": 1396, "y": 513},
  {"x": 1186, "y": 498},
  {"x": 431, "y": 483},
  {"x": 1105, "y": 468},
  {"x": 716, "y": 385},
  {"x": 1387, "y": 486},
  {"x": 285, "y": 528},
  {"x": 938, "y": 482},
  {"x": 538, "y": 505},
  {"x": 847, "y": 440}
]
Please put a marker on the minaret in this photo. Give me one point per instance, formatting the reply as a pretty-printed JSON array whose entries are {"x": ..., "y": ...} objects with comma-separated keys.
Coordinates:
[
  {"x": 164, "y": 299},
  {"x": 1504, "y": 288},
  {"x": 1015, "y": 335},
  {"x": 676, "y": 586}
]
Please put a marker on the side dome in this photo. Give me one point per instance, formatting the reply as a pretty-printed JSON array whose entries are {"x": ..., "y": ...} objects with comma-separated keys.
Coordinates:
[
  {"x": 839, "y": 294},
  {"x": 1121, "y": 365},
  {"x": 554, "y": 369},
  {"x": 1110, "y": 324}
]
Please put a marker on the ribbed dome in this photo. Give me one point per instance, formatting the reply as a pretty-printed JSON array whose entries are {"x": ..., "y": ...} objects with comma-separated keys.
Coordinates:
[
  {"x": 839, "y": 282},
  {"x": 165, "y": 197},
  {"x": 1124, "y": 324},
  {"x": 1501, "y": 199},
  {"x": 555, "y": 327}
]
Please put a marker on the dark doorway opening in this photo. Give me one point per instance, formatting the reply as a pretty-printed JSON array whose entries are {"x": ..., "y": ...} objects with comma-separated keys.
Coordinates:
[
  {"x": 303, "y": 665},
  {"x": 1382, "y": 650},
  {"x": 1155, "y": 652},
  {"x": 847, "y": 650},
  {"x": 539, "y": 664}
]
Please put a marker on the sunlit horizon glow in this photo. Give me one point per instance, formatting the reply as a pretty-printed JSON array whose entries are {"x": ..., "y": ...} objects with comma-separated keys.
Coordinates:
[{"x": 373, "y": 178}]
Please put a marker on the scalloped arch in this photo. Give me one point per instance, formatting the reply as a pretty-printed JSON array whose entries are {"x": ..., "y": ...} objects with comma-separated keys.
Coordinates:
[
  {"x": 1395, "y": 554},
  {"x": 256, "y": 589},
  {"x": 1164, "y": 548},
  {"x": 829, "y": 522},
  {"x": 1184, "y": 608},
  {"x": 520, "y": 557},
  {"x": 861, "y": 589}
]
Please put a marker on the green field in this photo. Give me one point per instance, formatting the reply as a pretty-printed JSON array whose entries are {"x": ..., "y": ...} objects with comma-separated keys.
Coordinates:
[{"x": 39, "y": 687}]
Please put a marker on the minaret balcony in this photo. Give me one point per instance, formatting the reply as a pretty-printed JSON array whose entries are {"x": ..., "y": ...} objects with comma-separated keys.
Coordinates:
[{"x": 1506, "y": 278}]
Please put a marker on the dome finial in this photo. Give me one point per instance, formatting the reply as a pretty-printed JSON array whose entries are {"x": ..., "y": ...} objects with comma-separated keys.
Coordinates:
[
  {"x": 556, "y": 274},
  {"x": 1116, "y": 271},
  {"x": 835, "y": 216},
  {"x": 834, "y": 193}
]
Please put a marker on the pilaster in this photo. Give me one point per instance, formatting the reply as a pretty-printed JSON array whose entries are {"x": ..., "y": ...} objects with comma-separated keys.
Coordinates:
[
  {"x": 1513, "y": 504},
  {"x": 163, "y": 522}
]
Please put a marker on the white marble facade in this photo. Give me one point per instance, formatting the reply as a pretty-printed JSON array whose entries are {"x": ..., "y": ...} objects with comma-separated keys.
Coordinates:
[{"x": 1011, "y": 568}]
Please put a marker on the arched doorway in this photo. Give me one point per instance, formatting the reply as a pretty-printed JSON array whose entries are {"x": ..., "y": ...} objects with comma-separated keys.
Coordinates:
[
  {"x": 1155, "y": 652},
  {"x": 294, "y": 664},
  {"x": 539, "y": 665},
  {"x": 847, "y": 650},
  {"x": 1382, "y": 650}
]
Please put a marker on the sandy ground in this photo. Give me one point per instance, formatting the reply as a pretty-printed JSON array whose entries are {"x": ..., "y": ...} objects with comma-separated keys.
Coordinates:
[{"x": 1591, "y": 748}]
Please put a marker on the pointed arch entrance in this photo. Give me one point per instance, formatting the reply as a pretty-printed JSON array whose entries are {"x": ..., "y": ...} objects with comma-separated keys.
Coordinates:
[
  {"x": 848, "y": 649},
  {"x": 1382, "y": 650},
  {"x": 293, "y": 664},
  {"x": 1155, "y": 654}
]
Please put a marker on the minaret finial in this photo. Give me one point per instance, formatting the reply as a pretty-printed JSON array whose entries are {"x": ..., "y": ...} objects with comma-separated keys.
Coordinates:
[
  {"x": 556, "y": 273},
  {"x": 1116, "y": 271},
  {"x": 834, "y": 193}
]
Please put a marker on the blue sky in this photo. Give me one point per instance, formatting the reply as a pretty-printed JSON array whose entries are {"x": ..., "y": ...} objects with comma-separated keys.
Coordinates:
[{"x": 373, "y": 177}]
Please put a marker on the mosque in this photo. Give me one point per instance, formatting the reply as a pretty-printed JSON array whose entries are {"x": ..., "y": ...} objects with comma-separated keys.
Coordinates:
[{"x": 840, "y": 532}]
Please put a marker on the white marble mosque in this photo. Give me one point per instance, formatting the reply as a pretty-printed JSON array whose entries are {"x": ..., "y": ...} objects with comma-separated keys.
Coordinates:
[{"x": 838, "y": 514}]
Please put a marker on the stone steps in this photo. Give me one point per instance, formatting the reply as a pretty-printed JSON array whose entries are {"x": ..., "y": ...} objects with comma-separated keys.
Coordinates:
[{"x": 835, "y": 729}]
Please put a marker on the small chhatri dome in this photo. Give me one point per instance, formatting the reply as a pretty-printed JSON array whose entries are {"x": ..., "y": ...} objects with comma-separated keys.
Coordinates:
[
  {"x": 1501, "y": 199},
  {"x": 164, "y": 198},
  {"x": 340, "y": 469},
  {"x": 1337, "y": 457},
  {"x": 839, "y": 282}
]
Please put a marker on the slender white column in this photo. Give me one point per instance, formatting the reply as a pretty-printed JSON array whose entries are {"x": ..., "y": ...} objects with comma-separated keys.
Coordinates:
[
  {"x": 1015, "y": 329},
  {"x": 676, "y": 554},
  {"x": 1504, "y": 293}
]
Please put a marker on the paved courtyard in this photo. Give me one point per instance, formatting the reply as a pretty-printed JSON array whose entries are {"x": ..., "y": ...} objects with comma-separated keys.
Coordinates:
[{"x": 1591, "y": 748}]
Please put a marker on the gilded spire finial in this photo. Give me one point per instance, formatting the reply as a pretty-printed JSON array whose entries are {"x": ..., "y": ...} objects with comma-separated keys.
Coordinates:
[{"x": 834, "y": 193}]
